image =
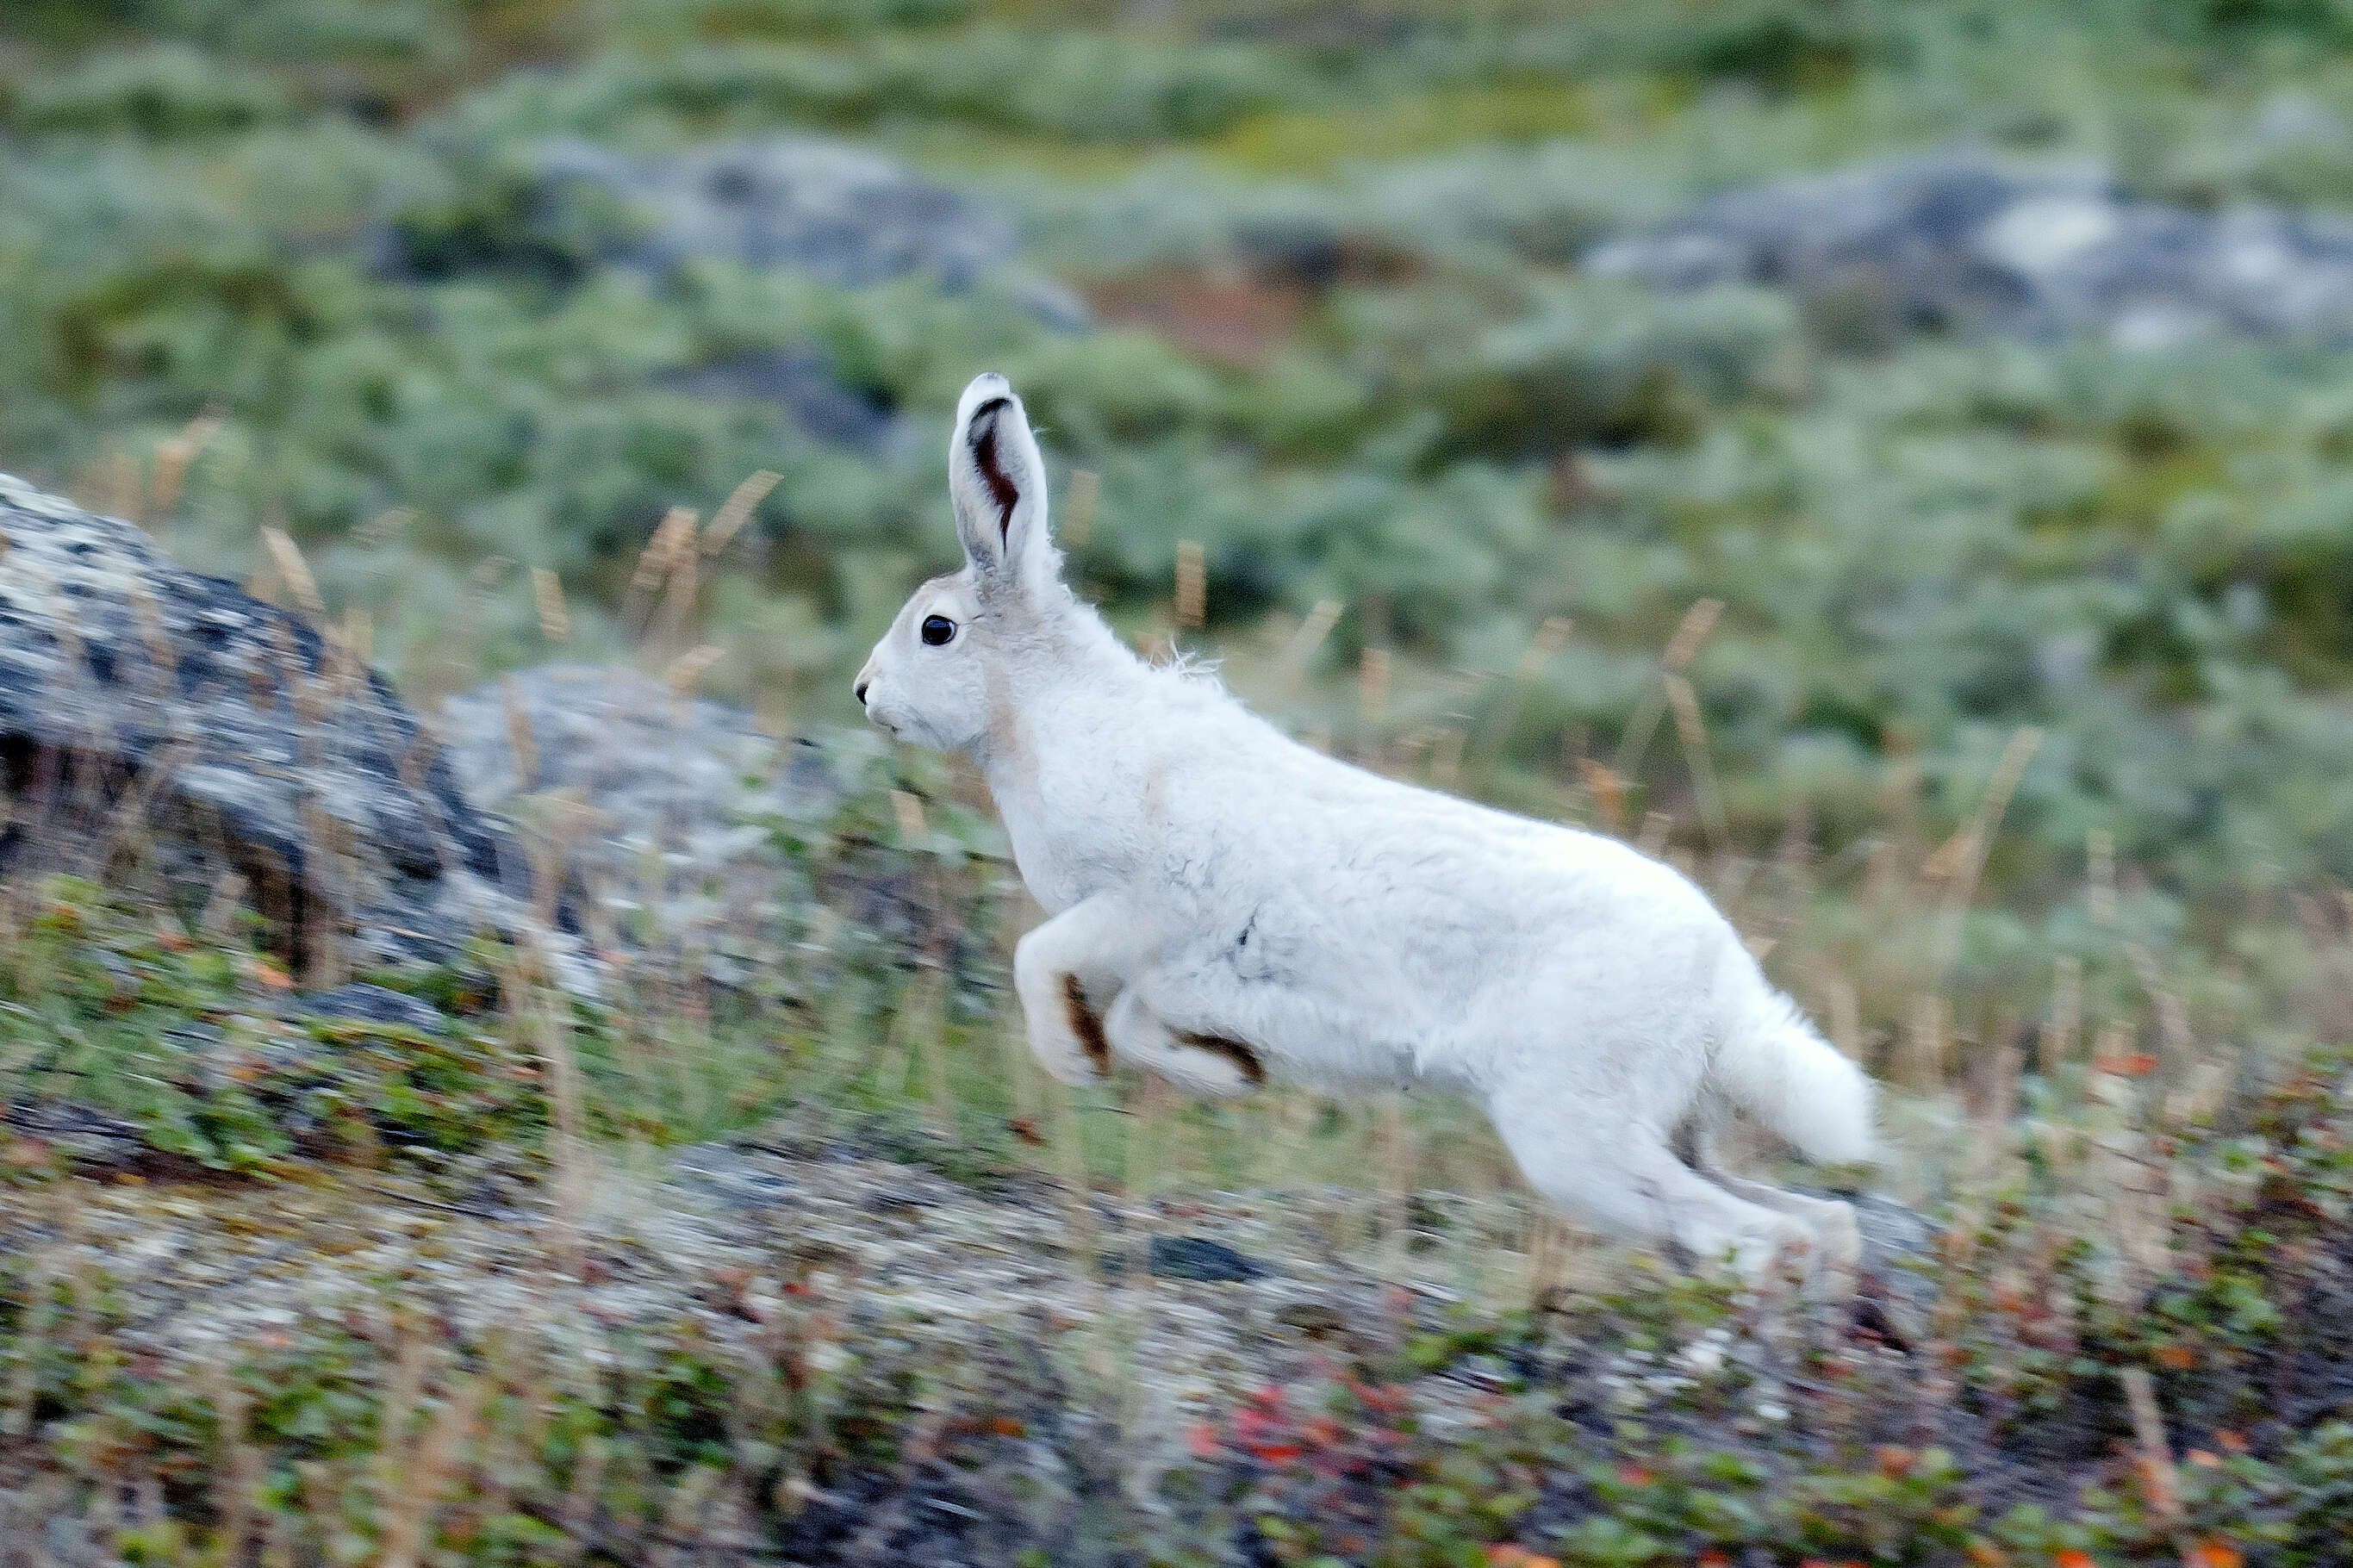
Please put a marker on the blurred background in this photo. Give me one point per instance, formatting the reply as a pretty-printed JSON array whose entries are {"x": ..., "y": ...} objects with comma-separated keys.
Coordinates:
[{"x": 1891, "y": 457}]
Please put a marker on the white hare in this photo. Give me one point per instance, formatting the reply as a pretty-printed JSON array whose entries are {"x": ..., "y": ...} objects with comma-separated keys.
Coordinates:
[{"x": 1229, "y": 905}]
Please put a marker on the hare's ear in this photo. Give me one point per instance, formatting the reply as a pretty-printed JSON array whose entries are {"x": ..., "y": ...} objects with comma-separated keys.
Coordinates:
[{"x": 996, "y": 482}]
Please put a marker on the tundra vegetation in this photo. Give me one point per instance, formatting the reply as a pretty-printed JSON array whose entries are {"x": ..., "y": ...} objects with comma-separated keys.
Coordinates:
[{"x": 1996, "y": 686}]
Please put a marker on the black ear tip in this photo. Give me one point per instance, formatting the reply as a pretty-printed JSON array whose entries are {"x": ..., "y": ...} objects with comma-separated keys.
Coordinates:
[{"x": 983, "y": 420}]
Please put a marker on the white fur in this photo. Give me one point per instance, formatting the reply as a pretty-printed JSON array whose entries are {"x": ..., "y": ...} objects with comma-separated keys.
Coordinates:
[{"x": 1210, "y": 879}]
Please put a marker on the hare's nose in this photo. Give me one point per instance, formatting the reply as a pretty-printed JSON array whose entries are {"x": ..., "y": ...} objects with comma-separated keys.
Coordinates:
[{"x": 861, "y": 689}]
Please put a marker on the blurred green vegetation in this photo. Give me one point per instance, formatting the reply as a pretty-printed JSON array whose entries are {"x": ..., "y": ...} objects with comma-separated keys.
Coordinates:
[{"x": 1339, "y": 340}]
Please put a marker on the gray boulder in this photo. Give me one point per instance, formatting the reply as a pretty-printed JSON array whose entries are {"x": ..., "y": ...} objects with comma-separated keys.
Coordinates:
[
  {"x": 654, "y": 803},
  {"x": 160, "y": 725},
  {"x": 840, "y": 213},
  {"x": 837, "y": 212},
  {"x": 1972, "y": 243}
]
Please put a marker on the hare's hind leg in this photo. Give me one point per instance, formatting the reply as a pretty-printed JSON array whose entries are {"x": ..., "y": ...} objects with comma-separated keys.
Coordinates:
[
  {"x": 1832, "y": 1222},
  {"x": 1604, "y": 1165},
  {"x": 1210, "y": 1065}
]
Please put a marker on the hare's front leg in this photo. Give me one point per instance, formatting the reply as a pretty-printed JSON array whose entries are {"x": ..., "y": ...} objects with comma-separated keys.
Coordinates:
[
  {"x": 1065, "y": 972},
  {"x": 1209, "y": 1065}
]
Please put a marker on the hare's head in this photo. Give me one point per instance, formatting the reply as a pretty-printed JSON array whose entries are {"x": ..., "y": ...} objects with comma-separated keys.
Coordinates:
[{"x": 941, "y": 668}]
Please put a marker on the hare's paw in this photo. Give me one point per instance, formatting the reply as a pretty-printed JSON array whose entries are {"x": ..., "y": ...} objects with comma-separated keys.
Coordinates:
[
  {"x": 1065, "y": 1033},
  {"x": 1203, "y": 1064}
]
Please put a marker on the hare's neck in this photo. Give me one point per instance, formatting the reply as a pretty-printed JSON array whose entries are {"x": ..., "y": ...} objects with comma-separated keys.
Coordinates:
[{"x": 1063, "y": 765}]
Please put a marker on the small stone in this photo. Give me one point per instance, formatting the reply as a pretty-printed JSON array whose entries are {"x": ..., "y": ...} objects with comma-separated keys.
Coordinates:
[
  {"x": 360, "y": 1002},
  {"x": 1197, "y": 1258}
]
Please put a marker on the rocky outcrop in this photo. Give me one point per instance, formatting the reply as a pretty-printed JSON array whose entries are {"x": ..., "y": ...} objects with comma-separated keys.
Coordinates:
[
  {"x": 837, "y": 212},
  {"x": 657, "y": 802},
  {"x": 688, "y": 837},
  {"x": 1976, "y": 245},
  {"x": 156, "y": 724},
  {"x": 840, "y": 213}
]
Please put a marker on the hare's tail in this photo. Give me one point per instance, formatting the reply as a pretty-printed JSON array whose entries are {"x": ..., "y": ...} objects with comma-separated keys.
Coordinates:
[{"x": 1771, "y": 1062}]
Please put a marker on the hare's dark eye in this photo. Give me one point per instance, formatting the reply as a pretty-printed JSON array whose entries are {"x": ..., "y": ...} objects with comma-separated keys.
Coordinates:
[{"x": 938, "y": 631}]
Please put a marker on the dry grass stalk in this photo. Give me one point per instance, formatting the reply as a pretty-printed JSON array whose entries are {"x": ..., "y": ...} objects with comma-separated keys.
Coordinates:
[
  {"x": 265, "y": 582},
  {"x": 412, "y": 1360},
  {"x": 1608, "y": 793},
  {"x": 2173, "y": 1017},
  {"x": 1846, "y": 1017},
  {"x": 1998, "y": 1105},
  {"x": 737, "y": 508},
  {"x": 162, "y": 662},
  {"x": 1946, "y": 858},
  {"x": 126, "y": 827},
  {"x": 1551, "y": 1254},
  {"x": 38, "y": 1319},
  {"x": 2057, "y": 1042},
  {"x": 175, "y": 457},
  {"x": 678, "y": 604},
  {"x": 1398, "y": 1161},
  {"x": 520, "y": 740},
  {"x": 1079, "y": 508},
  {"x": 1068, "y": 1148},
  {"x": 1682, "y": 648},
  {"x": 1150, "y": 1148},
  {"x": 1446, "y": 758},
  {"x": 1192, "y": 583},
  {"x": 926, "y": 1015},
  {"x": 909, "y": 812},
  {"x": 673, "y": 539},
  {"x": 588, "y": 1484},
  {"x": 429, "y": 1472},
  {"x": 1372, "y": 692},
  {"x": 685, "y": 672},
  {"x": 1692, "y": 730},
  {"x": 2160, "y": 1483},
  {"x": 1886, "y": 878},
  {"x": 1978, "y": 838},
  {"x": 355, "y": 639},
  {"x": 1542, "y": 648},
  {"x": 293, "y": 569},
  {"x": 1658, "y": 826},
  {"x": 544, "y": 1020},
  {"x": 1692, "y": 631},
  {"x": 1925, "y": 1041},
  {"x": 547, "y": 593},
  {"x": 386, "y": 526},
  {"x": 124, "y": 490},
  {"x": 1292, "y": 666},
  {"x": 2100, "y": 857},
  {"x": 670, "y": 537}
]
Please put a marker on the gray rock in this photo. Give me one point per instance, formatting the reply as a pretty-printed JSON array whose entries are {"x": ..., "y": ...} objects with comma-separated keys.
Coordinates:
[
  {"x": 801, "y": 380},
  {"x": 841, "y": 214},
  {"x": 837, "y": 212},
  {"x": 1197, "y": 1258},
  {"x": 362, "y": 1003},
  {"x": 154, "y": 718},
  {"x": 1978, "y": 245},
  {"x": 656, "y": 801}
]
